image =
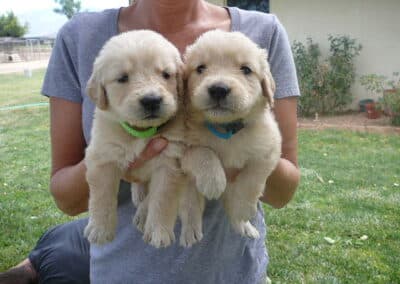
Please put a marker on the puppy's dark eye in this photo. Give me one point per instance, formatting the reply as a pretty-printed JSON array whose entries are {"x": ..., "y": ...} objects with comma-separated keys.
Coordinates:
[
  {"x": 166, "y": 75},
  {"x": 123, "y": 79},
  {"x": 200, "y": 69},
  {"x": 246, "y": 70}
]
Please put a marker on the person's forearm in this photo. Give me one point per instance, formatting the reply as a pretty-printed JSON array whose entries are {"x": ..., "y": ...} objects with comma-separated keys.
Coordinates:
[
  {"x": 70, "y": 189},
  {"x": 281, "y": 184}
]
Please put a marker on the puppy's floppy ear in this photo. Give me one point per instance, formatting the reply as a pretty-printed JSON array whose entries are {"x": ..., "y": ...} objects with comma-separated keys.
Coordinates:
[
  {"x": 179, "y": 81},
  {"x": 96, "y": 91},
  {"x": 268, "y": 87},
  {"x": 268, "y": 82},
  {"x": 183, "y": 84}
]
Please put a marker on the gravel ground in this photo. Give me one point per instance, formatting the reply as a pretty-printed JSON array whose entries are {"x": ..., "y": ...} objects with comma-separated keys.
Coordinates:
[
  {"x": 354, "y": 121},
  {"x": 16, "y": 67}
]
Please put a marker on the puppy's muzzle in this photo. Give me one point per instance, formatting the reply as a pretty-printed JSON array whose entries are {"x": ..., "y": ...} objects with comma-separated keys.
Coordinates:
[
  {"x": 151, "y": 103},
  {"x": 219, "y": 91}
]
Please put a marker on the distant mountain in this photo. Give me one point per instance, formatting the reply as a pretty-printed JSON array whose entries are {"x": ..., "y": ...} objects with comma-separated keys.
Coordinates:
[{"x": 42, "y": 22}]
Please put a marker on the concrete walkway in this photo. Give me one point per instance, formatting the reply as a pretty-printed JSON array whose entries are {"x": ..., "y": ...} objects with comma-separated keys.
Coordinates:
[{"x": 17, "y": 67}]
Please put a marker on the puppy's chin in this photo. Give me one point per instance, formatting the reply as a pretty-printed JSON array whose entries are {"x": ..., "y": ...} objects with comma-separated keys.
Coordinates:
[
  {"x": 221, "y": 115},
  {"x": 149, "y": 121}
]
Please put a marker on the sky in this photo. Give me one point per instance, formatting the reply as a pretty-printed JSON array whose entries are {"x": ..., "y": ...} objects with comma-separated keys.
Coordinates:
[{"x": 41, "y": 18}]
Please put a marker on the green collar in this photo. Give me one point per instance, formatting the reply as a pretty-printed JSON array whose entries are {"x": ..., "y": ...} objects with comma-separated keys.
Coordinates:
[{"x": 149, "y": 132}]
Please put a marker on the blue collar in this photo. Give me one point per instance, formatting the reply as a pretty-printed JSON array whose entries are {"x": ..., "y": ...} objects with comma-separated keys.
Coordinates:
[{"x": 230, "y": 129}]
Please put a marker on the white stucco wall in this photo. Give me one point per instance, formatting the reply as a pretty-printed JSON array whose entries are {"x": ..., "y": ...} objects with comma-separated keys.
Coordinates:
[{"x": 375, "y": 24}]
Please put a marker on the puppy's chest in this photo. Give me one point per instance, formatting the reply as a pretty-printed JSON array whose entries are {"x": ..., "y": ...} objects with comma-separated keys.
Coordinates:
[
  {"x": 133, "y": 149},
  {"x": 234, "y": 152}
]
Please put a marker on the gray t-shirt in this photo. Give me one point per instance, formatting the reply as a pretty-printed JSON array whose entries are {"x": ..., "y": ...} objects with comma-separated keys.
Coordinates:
[{"x": 222, "y": 256}]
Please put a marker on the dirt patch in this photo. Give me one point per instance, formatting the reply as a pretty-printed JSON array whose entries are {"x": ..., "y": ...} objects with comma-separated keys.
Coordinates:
[
  {"x": 18, "y": 67},
  {"x": 353, "y": 121}
]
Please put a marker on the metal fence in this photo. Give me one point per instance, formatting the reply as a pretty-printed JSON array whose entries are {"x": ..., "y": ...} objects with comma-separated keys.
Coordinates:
[{"x": 17, "y": 50}]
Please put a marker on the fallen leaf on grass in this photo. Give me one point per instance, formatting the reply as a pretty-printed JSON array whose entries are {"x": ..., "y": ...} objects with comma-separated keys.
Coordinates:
[
  {"x": 329, "y": 240},
  {"x": 321, "y": 180}
]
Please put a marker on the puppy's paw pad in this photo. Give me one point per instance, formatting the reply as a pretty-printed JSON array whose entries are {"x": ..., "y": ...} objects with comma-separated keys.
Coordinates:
[
  {"x": 190, "y": 236},
  {"x": 99, "y": 234},
  {"x": 246, "y": 229},
  {"x": 212, "y": 186},
  {"x": 159, "y": 237}
]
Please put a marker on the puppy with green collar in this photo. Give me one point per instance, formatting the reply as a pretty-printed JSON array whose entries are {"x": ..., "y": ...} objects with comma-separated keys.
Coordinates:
[{"x": 135, "y": 86}]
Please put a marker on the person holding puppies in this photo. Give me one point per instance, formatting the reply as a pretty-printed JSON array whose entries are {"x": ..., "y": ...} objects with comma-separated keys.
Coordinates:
[{"x": 222, "y": 256}]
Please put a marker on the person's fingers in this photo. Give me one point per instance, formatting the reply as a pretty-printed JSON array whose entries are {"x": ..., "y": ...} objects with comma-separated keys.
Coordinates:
[{"x": 153, "y": 148}]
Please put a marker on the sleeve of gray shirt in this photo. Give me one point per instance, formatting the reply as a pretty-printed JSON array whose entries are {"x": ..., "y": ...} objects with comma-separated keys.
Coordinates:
[
  {"x": 280, "y": 58},
  {"x": 61, "y": 78}
]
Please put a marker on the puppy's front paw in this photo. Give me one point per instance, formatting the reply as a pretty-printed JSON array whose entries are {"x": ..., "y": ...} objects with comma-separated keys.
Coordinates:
[
  {"x": 241, "y": 209},
  {"x": 246, "y": 229},
  {"x": 139, "y": 220},
  {"x": 99, "y": 234},
  {"x": 138, "y": 195},
  {"x": 190, "y": 235},
  {"x": 211, "y": 185},
  {"x": 158, "y": 236}
]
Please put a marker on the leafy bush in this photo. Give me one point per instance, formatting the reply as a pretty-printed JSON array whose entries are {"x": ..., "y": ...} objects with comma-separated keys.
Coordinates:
[
  {"x": 325, "y": 84},
  {"x": 378, "y": 83},
  {"x": 389, "y": 88},
  {"x": 391, "y": 102},
  {"x": 312, "y": 76}
]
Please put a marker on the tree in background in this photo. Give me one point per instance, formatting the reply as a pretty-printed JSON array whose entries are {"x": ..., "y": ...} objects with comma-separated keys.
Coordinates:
[
  {"x": 11, "y": 27},
  {"x": 68, "y": 7},
  {"x": 259, "y": 5}
]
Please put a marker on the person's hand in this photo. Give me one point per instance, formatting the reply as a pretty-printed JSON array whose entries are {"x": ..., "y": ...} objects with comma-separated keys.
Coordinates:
[{"x": 153, "y": 148}]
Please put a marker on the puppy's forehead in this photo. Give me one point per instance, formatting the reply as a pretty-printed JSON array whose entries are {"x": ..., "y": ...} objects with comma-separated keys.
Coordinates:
[
  {"x": 216, "y": 46},
  {"x": 139, "y": 49}
]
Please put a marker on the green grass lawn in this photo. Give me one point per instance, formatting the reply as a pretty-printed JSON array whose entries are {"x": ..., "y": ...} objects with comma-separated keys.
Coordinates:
[
  {"x": 350, "y": 188},
  {"x": 18, "y": 89}
]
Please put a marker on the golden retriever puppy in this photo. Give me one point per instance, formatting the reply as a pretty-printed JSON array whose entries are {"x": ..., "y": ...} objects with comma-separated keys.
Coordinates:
[
  {"x": 229, "y": 124},
  {"x": 135, "y": 85}
]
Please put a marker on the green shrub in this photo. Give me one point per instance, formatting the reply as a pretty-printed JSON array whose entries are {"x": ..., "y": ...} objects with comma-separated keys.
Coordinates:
[
  {"x": 325, "y": 84},
  {"x": 389, "y": 88}
]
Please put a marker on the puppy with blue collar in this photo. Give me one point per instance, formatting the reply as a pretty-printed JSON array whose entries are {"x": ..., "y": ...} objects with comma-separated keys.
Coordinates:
[{"x": 229, "y": 125}]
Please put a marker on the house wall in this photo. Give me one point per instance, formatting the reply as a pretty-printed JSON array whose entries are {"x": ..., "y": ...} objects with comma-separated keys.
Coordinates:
[{"x": 375, "y": 24}]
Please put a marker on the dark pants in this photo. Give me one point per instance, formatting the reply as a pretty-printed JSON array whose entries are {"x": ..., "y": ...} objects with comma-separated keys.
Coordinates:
[{"x": 62, "y": 254}]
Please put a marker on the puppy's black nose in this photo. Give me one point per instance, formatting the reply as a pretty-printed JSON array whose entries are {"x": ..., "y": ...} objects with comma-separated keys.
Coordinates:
[
  {"x": 219, "y": 91},
  {"x": 151, "y": 102}
]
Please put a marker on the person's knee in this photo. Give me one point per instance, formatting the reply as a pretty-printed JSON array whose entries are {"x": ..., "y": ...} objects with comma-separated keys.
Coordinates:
[
  {"x": 63, "y": 265},
  {"x": 62, "y": 254}
]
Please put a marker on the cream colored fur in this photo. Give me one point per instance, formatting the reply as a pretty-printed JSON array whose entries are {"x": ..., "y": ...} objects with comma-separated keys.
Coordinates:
[
  {"x": 140, "y": 61},
  {"x": 219, "y": 57}
]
